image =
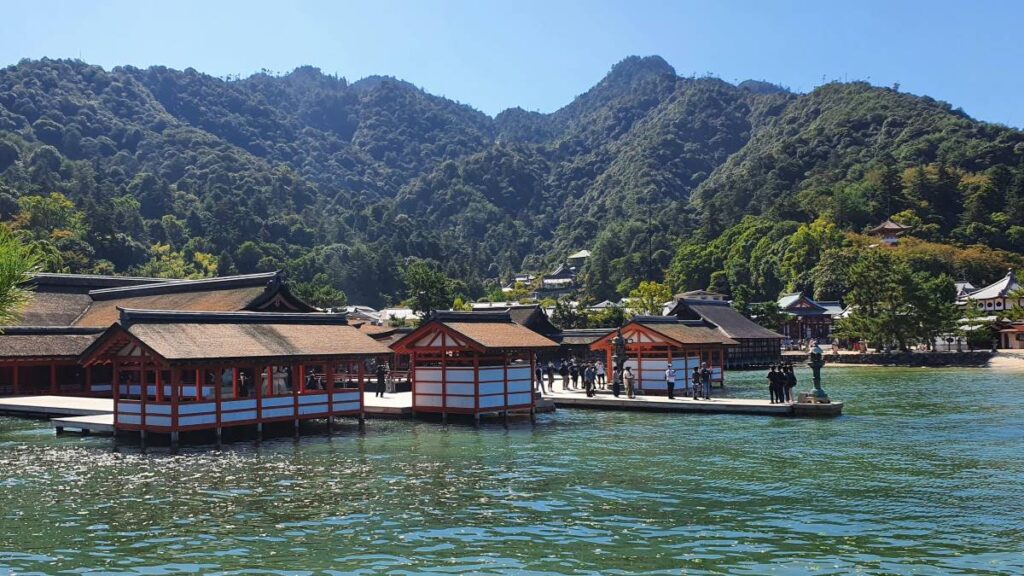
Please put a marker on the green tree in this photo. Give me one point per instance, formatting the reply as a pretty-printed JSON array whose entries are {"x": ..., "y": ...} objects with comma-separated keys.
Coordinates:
[
  {"x": 649, "y": 297},
  {"x": 18, "y": 263},
  {"x": 320, "y": 293},
  {"x": 427, "y": 288},
  {"x": 768, "y": 314}
]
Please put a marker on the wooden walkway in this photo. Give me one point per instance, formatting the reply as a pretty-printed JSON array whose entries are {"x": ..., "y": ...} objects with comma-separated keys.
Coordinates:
[
  {"x": 55, "y": 406},
  {"x": 605, "y": 401},
  {"x": 84, "y": 424},
  {"x": 398, "y": 404}
]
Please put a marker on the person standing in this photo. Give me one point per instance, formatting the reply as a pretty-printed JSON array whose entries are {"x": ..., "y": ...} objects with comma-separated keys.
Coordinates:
[
  {"x": 599, "y": 370},
  {"x": 670, "y": 381},
  {"x": 705, "y": 380},
  {"x": 790, "y": 383},
  {"x": 563, "y": 371},
  {"x": 382, "y": 374},
  {"x": 630, "y": 382},
  {"x": 590, "y": 380},
  {"x": 550, "y": 370},
  {"x": 616, "y": 382},
  {"x": 695, "y": 382},
  {"x": 574, "y": 373},
  {"x": 773, "y": 383}
]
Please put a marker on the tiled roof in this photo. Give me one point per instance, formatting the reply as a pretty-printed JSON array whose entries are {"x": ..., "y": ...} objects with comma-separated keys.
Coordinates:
[
  {"x": 684, "y": 333},
  {"x": 1000, "y": 289},
  {"x": 208, "y": 336},
  {"x": 45, "y": 342},
  {"x": 53, "y": 308},
  {"x": 728, "y": 320},
  {"x": 501, "y": 335}
]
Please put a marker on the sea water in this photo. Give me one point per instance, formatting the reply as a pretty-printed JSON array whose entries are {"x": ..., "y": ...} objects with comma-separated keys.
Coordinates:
[{"x": 924, "y": 474}]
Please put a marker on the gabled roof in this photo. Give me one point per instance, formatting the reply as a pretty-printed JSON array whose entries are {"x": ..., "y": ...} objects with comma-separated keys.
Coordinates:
[
  {"x": 798, "y": 304},
  {"x": 1000, "y": 289},
  {"x": 963, "y": 288},
  {"x": 46, "y": 342},
  {"x": 676, "y": 331},
  {"x": 889, "y": 227},
  {"x": 728, "y": 320},
  {"x": 486, "y": 331},
  {"x": 180, "y": 337},
  {"x": 700, "y": 295},
  {"x": 224, "y": 294},
  {"x": 533, "y": 317},
  {"x": 579, "y": 254},
  {"x": 83, "y": 283},
  {"x": 580, "y": 336}
]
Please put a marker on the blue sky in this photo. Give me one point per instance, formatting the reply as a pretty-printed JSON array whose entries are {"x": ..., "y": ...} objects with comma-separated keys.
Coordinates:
[{"x": 540, "y": 54}]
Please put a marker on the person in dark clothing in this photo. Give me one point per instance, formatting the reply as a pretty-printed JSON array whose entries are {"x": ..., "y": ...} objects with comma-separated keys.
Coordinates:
[
  {"x": 773, "y": 384},
  {"x": 563, "y": 371},
  {"x": 382, "y": 374},
  {"x": 550, "y": 373},
  {"x": 790, "y": 383},
  {"x": 574, "y": 373},
  {"x": 538, "y": 375},
  {"x": 705, "y": 380},
  {"x": 616, "y": 382},
  {"x": 695, "y": 382}
]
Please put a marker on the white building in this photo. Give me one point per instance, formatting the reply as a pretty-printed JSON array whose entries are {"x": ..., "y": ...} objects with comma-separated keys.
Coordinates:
[{"x": 996, "y": 298}]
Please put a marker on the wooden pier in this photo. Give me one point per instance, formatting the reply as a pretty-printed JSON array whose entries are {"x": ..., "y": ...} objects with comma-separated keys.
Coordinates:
[{"x": 605, "y": 401}]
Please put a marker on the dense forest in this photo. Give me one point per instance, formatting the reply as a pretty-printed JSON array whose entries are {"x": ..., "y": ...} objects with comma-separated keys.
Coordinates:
[{"x": 747, "y": 188}]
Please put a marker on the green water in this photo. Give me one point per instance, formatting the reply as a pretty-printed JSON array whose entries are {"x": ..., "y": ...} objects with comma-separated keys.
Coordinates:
[{"x": 923, "y": 475}]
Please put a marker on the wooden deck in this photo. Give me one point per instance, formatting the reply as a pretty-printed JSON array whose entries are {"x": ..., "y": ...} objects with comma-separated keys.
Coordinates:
[
  {"x": 398, "y": 404},
  {"x": 84, "y": 424},
  {"x": 55, "y": 406},
  {"x": 605, "y": 401}
]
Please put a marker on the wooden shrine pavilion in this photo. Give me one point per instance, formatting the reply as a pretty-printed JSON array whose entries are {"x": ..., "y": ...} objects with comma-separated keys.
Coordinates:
[
  {"x": 181, "y": 371},
  {"x": 66, "y": 313},
  {"x": 655, "y": 342},
  {"x": 472, "y": 363}
]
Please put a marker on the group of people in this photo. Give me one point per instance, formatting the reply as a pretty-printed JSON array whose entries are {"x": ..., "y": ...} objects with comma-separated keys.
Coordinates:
[
  {"x": 590, "y": 375},
  {"x": 781, "y": 381}
]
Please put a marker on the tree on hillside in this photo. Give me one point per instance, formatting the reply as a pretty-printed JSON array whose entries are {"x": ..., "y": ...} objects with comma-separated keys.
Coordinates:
[
  {"x": 320, "y": 293},
  {"x": 649, "y": 298},
  {"x": 427, "y": 288},
  {"x": 768, "y": 314}
]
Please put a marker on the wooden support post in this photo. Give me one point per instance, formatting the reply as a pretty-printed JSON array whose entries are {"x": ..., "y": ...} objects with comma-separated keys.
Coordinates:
[
  {"x": 296, "y": 371},
  {"x": 444, "y": 381},
  {"x": 159, "y": 384},
  {"x": 329, "y": 388},
  {"x": 116, "y": 387},
  {"x": 15, "y": 382},
  {"x": 143, "y": 397},
  {"x": 476, "y": 390},
  {"x": 505, "y": 382},
  {"x": 87, "y": 381},
  {"x": 362, "y": 392},
  {"x": 234, "y": 383},
  {"x": 217, "y": 393},
  {"x": 258, "y": 376},
  {"x": 53, "y": 378},
  {"x": 175, "y": 399},
  {"x": 199, "y": 385}
]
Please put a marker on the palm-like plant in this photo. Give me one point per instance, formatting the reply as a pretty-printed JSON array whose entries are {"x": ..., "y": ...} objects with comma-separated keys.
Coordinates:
[{"x": 18, "y": 262}]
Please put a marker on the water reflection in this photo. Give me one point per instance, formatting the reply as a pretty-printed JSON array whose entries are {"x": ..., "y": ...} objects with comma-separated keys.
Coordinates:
[{"x": 907, "y": 482}]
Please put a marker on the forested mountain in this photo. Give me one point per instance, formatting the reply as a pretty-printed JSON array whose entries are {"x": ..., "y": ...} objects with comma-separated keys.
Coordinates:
[{"x": 175, "y": 173}]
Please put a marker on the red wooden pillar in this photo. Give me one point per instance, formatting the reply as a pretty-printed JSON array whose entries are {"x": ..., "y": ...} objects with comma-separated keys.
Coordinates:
[
  {"x": 505, "y": 380},
  {"x": 296, "y": 371},
  {"x": 329, "y": 386},
  {"x": 143, "y": 392},
  {"x": 669, "y": 364},
  {"x": 533, "y": 374},
  {"x": 444, "y": 380},
  {"x": 199, "y": 384},
  {"x": 257, "y": 385},
  {"x": 87, "y": 383},
  {"x": 234, "y": 383},
  {"x": 217, "y": 401},
  {"x": 14, "y": 380},
  {"x": 53, "y": 378},
  {"x": 159, "y": 384},
  {"x": 361, "y": 372},
  {"x": 476, "y": 384},
  {"x": 412, "y": 378},
  {"x": 175, "y": 397}
]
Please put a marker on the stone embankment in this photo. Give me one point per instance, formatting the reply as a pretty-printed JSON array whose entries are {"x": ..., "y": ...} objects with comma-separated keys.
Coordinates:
[{"x": 931, "y": 359}]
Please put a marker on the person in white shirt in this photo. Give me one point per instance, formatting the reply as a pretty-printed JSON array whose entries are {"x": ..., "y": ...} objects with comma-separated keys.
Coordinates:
[
  {"x": 599, "y": 367},
  {"x": 670, "y": 381}
]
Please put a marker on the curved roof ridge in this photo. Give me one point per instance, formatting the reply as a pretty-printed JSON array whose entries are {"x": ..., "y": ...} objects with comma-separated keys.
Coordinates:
[{"x": 176, "y": 286}]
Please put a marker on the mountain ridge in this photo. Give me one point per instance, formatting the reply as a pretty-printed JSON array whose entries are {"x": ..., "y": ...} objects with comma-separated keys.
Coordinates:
[{"x": 310, "y": 172}]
